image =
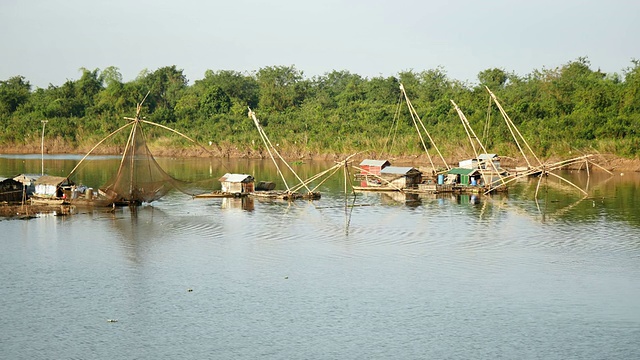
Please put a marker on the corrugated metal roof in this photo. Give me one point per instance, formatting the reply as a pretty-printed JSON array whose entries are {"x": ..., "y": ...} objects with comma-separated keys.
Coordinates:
[
  {"x": 51, "y": 180},
  {"x": 236, "y": 178},
  {"x": 397, "y": 170},
  {"x": 461, "y": 171},
  {"x": 369, "y": 162}
]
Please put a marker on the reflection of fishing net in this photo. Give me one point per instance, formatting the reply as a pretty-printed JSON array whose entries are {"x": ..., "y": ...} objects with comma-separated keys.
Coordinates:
[{"x": 139, "y": 178}]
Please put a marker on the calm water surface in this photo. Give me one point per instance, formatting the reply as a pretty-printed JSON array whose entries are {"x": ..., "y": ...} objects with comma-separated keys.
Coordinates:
[{"x": 430, "y": 278}]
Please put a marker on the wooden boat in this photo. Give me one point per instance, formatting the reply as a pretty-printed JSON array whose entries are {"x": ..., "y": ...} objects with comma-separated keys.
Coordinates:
[{"x": 47, "y": 200}]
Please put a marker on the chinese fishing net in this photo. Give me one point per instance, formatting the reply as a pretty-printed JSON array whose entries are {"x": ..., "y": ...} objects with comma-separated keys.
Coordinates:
[{"x": 139, "y": 177}]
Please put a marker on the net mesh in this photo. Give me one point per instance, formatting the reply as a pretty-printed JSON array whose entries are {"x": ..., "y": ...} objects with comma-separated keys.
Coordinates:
[{"x": 139, "y": 177}]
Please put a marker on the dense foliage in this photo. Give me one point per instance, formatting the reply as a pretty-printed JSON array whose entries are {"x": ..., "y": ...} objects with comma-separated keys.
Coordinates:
[{"x": 570, "y": 108}]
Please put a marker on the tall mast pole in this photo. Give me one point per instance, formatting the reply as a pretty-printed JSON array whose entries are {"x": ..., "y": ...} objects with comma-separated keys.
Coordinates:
[{"x": 44, "y": 122}]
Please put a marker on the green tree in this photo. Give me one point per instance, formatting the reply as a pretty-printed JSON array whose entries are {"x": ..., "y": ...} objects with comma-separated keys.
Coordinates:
[
  {"x": 14, "y": 92},
  {"x": 281, "y": 87}
]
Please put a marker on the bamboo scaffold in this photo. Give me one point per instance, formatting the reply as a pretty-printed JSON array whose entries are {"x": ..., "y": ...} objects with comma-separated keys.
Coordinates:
[
  {"x": 515, "y": 133},
  {"x": 290, "y": 192},
  {"x": 419, "y": 124},
  {"x": 473, "y": 139},
  {"x": 542, "y": 169}
]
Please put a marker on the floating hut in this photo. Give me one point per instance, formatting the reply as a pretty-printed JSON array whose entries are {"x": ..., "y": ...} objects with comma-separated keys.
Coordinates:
[
  {"x": 464, "y": 177},
  {"x": 11, "y": 190},
  {"x": 237, "y": 183},
  {"x": 402, "y": 177},
  {"x": 50, "y": 189},
  {"x": 233, "y": 185},
  {"x": 373, "y": 167},
  {"x": 390, "y": 178}
]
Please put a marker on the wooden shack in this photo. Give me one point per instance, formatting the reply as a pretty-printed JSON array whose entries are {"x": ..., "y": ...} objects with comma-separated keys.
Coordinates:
[
  {"x": 374, "y": 167},
  {"x": 11, "y": 190},
  {"x": 401, "y": 177},
  {"x": 51, "y": 186},
  {"x": 464, "y": 177},
  {"x": 237, "y": 183}
]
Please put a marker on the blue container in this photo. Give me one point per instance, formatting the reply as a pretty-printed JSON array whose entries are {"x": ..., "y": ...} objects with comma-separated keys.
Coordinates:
[
  {"x": 440, "y": 179},
  {"x": 473, "y": 181}
]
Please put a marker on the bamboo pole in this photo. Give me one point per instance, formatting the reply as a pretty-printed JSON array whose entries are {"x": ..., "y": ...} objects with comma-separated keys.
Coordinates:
[
  {"x": 98, "y": 144},
  {"x": 509, "y": 121},
  {"x": 267, "y": 145},
  {"x": 469, "y": 130},
  {"x": 414, "y": 116}
]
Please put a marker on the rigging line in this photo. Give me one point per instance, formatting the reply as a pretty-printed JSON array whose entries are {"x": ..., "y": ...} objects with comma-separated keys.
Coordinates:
[
  {"x": 133, "y": 156},
  {"x": 415, "y": 123},
  {"x": 98, "y": 144},
  {"x": 186, "y": 137},
  {"x": 335, "y": 169},
  {"x": 266, "y": 144},
  {"x": 468, "y": 129},
  {"x": 285, "y": 162},
  {"x": 394, "y": 123},
  {"x": 277, "y": 153},
  {"x": 430, "y": 139},
  {"x": 487, "y": 125},
  {"x": 509, "y": 121},
  {"x": 124, "y": 154},
  {"x": 424, "y": 128}
]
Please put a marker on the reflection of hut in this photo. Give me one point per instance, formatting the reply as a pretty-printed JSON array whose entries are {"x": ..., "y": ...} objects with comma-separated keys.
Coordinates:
[
  {"x": 10, "y": 190},
  {"x": 401, "y": 177},
  {"x": 237, "y": 183},
  {"x": 243, "y": 202},
  {"x": 373, "y": 166},
  {"x": 464, "y": 177}
]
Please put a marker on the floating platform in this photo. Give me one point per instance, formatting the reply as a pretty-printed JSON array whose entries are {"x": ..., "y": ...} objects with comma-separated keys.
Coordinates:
[
  {"x": 220, "y": 194},
  {"x": 285, "y": 195}
]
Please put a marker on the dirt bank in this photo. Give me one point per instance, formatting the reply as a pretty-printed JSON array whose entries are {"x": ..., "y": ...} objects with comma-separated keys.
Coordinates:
[{"x": 609, "y": 162}]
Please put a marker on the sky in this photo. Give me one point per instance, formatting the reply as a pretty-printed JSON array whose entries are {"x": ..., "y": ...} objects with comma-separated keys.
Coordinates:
[{"x": 49, "y": 41}]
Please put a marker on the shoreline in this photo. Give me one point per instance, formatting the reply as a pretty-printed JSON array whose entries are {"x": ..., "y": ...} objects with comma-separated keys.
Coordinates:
[{"x": 608, "y": 161}]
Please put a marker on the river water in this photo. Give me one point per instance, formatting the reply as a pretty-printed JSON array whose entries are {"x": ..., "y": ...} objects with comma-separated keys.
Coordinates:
[{"x": 385, "y": 278}]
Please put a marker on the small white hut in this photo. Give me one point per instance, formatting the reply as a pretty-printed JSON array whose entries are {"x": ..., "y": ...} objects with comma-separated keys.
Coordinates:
[{"x": 237, "y": 183}]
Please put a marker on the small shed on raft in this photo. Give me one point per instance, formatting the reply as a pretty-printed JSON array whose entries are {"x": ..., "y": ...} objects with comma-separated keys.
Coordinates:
[
  {"x": 51, "y": 186},
  {"x": 237, "y": 183},
  {"x": 464, "y": 177},
  {"x": 11, "y": 190},
  {"x": 401, "y": 177},
  {"x": 482, "y": 162},
  {"x": 374, "y": 167}
]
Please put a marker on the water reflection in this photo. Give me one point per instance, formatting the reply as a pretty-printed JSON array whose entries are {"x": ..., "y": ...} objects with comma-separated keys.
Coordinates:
[
  {"x": 244, "y": 203},
  {"x": 613, "y": 198}
]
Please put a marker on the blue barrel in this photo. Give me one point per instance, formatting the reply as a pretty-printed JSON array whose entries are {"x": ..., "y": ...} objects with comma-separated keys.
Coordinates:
[{"x": 440, "y": 179}]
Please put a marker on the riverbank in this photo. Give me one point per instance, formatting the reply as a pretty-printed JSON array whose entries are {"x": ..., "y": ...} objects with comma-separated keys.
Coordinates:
[{"x": 608, "y": 161}]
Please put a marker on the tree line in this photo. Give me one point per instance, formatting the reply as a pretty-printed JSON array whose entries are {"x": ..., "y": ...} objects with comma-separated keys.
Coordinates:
[{"x": 571, "y": 108}]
